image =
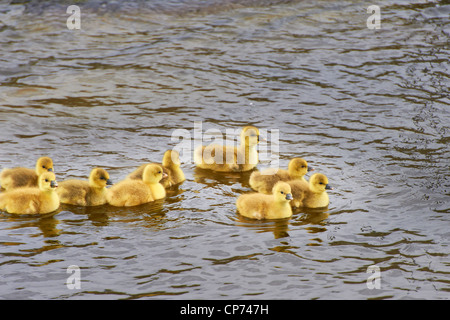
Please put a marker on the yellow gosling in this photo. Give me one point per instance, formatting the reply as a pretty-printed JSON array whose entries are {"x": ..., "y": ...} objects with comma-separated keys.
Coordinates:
[
  {"x": 32, "y": 200},
  {"x": 265, "y": 180},
  {"x": 228, "y": 158},
  {"x": 23, "y": 177},
  {"x": 262, "y": 206},
  {"x": 131, "y": 192},
  {"x": 85, "y": 193},
  {"x": 312, "y": 194},
  {"x": 171, "y": 167}
]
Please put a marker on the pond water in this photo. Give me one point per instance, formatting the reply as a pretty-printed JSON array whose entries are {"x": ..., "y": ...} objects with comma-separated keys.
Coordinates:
[{"x": 369, "y": 108}]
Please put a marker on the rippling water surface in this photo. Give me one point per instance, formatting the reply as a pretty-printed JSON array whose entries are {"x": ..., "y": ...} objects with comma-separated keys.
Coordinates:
[{"x": 368, "y": 108}]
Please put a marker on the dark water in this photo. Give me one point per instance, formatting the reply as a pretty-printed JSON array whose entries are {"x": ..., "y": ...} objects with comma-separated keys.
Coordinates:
[{"x": 368, "y": 108}]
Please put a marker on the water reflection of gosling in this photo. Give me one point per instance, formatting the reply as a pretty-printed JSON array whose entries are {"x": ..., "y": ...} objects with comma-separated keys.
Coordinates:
[
  {"x": 25, "y": 177},
  {"x": 32, "y": 200},
  {"x": 171, "y": 167},
  {"x": 263, "y": 206},
  {"x": 265, "y": 180},
  {"x": 312, "y": 194},
  {"x": 85, "y": 193},
  {"x": 131, "y": 192},
  {"x": 229, "y": 158}
]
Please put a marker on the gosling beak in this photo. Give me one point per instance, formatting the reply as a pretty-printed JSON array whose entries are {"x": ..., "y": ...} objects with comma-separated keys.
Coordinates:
[
  {"x": 109, "y": 182},
  {"x": 289, "y": 196},
  {"x": 328, "y": 187},
  {"x": 164, "y": 175},
  {"x": 310, "y": 169},
  {"x": 50, "y": 169},
  {"x": 53, "y": 184}
]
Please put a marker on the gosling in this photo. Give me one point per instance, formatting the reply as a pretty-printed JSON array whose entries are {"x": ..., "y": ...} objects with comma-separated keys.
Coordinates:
[
  {"x": 32, "y": 200},
  {"x": 230, "y": 159},
  {"x": 171, "y": 167},
  {"x": 24, "y": 177},
  {"x": 312, "y": 194},
  {"x": 85, "y": 193},
  {"x": 131, "y": 192},
  {"x": 265, "y": 180},
  {"x": 262, "y": 206}
]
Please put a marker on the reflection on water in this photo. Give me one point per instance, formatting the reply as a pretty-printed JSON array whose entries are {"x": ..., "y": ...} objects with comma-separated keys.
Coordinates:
[
  {"x": 368, "y": 108},
  {"x": 212, "y": 179},
  {"x": 313, "y": 222}
]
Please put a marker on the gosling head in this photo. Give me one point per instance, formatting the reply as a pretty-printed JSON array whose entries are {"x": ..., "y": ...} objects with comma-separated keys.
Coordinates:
[
  {"x": 153, "y": 173},
  {"x": 319, "y": 183},
  {"x": 99, "y": 178},
  {"x": 171, "y": 159},
  {"x": 298, "y": 167},
  {"x": 44, "y": 164},
  {"x": 47, "y": 181},
  {"x": 250, "y": 136},
  {"x": 282, "y": 192}
]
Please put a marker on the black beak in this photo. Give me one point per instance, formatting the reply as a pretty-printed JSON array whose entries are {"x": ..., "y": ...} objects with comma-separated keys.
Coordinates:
[
  {"x": 50, "y": 169},
  {"x": 109, "y": 182},
  {"x": 289, "y": 196},
  {"x": 328, "y": 187},
  {"x": 310, "y": 169},
  {"x": 53, "y": 184}
]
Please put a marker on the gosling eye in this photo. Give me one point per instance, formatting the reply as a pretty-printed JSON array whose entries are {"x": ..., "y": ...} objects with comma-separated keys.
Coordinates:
[
  {"x": 282, "y": 192},
  {"x": 43, "y": 167},
  {"x": 46, "y": 180},
  {"x": 159, "y": 171},
  {"x": 102, "y": 178}
]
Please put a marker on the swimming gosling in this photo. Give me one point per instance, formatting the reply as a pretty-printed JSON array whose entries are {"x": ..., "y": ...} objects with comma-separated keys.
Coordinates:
[
  {"x": 85, "y": 193},
  {"x": 312, "y": 194},
  {"x": 223, "y": 158},
  {"x": 131, "y": 192},
  {"x": 32, "y": 200},
  {"x": 171, "y": 167},
  {"x": 262, "y": 206},
  {"x": 265, "y": 180},
  {"x": 24, "y": 177}
]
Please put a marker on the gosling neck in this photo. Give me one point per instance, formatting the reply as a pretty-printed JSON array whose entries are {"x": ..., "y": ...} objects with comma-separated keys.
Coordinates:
[
  {"x": 151, "y": 182},
  {"x": 98, "y": 189},
  {"x": 171, "y": 165},
  {"x": 280, "y": 205},
  {"x": 296, "y": 175},
  {"x": 250, "y": 153},
  {"x": 177, "y": 172},
  {"x": 170, "y": 160},
  {"x": 156, "y": 188},
  {"x": 48, "y": 192},
  {"x": 154, "y": 185}
]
